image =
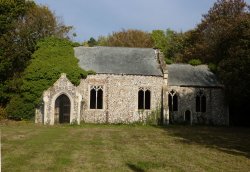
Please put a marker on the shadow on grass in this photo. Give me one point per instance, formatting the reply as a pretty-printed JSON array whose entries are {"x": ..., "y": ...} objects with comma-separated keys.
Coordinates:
[
  {"x": 134, "y": 167},
  {"x": 142, "y": 166},
  {"x": 235, "y": 141}
]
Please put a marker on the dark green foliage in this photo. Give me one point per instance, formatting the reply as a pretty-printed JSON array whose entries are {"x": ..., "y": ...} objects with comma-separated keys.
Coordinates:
[
  {"x": 194, "y": 62},
  {"x": 52, "y": 57},
  {"x": 171, "y": 43},
  {"x": 10, "y": 10},
  {"x": 212, "y": 67},
  {"x": 92, "y": 42},
  {"x": 22, "y": 24},
  {"x": 174, "y": 45},
  {"x": 13, "y": 53},
  {"x": 168, "y": 61}
]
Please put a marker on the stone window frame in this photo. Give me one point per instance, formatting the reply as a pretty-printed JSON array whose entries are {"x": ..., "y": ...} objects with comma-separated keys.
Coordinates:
[
  {"x": 200, "y": 94},
  {"x": 144, "y": 89},
  {"x": 173, "y": 93},
  {"x": 96, "y": 87}
]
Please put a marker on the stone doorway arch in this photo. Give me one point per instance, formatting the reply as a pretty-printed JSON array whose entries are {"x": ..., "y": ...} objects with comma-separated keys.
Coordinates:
[
  {"x": 188, "y": 117},
  {"x": 62, "y": 109}
]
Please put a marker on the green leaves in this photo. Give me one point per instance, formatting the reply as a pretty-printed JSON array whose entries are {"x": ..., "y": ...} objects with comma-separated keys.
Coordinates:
[
  {"x": 222, "y": 39},
  {"x": 127, "y": 38},
  {"x": 194, "y": 62},
  {"x": 22, "y": 24}
]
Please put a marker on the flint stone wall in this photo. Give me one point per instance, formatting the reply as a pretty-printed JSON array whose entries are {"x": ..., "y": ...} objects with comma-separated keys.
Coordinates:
[
  {"x": 216, "y": 109},
  {"x": 120, "y": 101},
  {"x": 120, "y": 97}
]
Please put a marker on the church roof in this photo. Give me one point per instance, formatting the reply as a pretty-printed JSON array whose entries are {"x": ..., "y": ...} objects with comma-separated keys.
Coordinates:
[
  {"x": 119, "y": 60},
  {"x": 187, "y": 75}
]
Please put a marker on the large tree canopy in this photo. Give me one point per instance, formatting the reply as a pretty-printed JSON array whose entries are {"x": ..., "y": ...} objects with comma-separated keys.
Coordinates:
[
  {"x": 223, "y": 39},
  {"x": 22, "y": 24}
]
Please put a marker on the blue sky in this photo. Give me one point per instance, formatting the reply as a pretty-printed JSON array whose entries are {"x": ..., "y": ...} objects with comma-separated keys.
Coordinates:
[{"x": 92, "y": 18}]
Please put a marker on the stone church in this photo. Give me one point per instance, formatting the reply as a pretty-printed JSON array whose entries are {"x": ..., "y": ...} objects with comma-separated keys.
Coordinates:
[{"x": 129, "y": 86}]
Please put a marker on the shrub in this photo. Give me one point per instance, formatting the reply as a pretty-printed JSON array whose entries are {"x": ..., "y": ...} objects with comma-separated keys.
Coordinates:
[
  {"x": 195, "y": 62},
  {"x": 168, "y": 61},
  {"x": 212, "y": 67}
]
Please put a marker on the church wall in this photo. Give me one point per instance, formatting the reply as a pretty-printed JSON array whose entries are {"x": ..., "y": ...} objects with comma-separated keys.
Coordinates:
[
  {"x": 120, "y": 101},
  {"x": 120, "y": 97},
  {"x": 216, "y": 109}
]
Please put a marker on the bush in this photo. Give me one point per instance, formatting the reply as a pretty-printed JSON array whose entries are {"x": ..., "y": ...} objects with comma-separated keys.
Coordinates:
[
  {"x": 195, "y": 62},
  {"x": 52, "y": 57},
  {"x": 212, "y": 67},
  {"x": 168, "y": 61}
]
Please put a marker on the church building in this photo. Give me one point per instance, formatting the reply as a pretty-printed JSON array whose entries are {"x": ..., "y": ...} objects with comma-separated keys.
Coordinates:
[{"x": 131, "y": 85}]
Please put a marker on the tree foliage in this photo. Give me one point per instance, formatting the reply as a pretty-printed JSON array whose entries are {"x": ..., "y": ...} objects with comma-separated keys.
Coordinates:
[
  {"x": 129, "y": 38},
  {"x": 53, "y": 57},
  {"x": 159, "y": 39},
  {"x": 92, "y": 42},
  {"x": 223, "y": 40},
  {"x": 22, "y": 24}
]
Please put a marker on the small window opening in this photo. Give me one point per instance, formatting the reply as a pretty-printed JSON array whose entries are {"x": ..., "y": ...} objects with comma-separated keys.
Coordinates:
[
  {"x": 96, "y": 97},
  {"x": 201, "y": 102},
  {"x": 172, "y": 101},
  {"x": 144, "y": 98}
]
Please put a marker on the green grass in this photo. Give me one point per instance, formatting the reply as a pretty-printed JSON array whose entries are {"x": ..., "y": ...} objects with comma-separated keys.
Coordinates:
[{"x": 30, "y": 147}]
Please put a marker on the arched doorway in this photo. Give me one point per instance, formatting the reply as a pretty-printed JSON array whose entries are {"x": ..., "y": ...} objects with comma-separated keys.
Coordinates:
[
  {"x": 187, "y": 116},
  {"x": 62, "y": 109}
]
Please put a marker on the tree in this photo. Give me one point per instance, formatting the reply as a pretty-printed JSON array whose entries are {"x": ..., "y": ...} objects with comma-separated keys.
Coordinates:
[
  {"x": 171, "y": 43},
  {"x": 159, "y": 39},
  {"x": 130, "y": 38},
  {"x": 23, "y": 23},
  {"x": 92, "y": 42},
  {"x": 175, "y": 44},
  {"x": 223, "y": 38}
]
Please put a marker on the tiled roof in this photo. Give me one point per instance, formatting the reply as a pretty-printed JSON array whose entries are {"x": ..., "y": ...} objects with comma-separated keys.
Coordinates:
[
  {"x": 119, "y": 60},
  {"x": 187, "y": 75}
]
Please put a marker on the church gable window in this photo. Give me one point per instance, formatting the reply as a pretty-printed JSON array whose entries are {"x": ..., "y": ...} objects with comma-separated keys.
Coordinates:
[
  {"x": 96, "y": 97},
  {"x": 172, "y": 101},
  {"x": 144, "y": 98},
  {"x": 200, "y": 102}
]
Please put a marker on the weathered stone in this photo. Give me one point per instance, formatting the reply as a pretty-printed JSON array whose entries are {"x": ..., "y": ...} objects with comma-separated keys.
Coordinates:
[
  {"x": 216, "y": 110},
  {"x": 120, "y": 97}
]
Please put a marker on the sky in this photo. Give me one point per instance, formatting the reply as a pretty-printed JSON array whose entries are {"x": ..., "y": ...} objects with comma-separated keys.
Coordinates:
[{"x": 94, "y": 18}]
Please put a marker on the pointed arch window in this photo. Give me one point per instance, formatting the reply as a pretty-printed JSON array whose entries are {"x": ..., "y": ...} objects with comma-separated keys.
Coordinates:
[
  {"x": 96, "y": 97},
  {"x": 201, "y": 102},
  {"x": 144, "y": 98},
  {"x": 172, "y": 101}
]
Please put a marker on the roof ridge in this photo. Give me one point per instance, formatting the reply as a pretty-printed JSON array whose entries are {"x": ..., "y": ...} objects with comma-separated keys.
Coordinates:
[{"x": 116, "y": 47}]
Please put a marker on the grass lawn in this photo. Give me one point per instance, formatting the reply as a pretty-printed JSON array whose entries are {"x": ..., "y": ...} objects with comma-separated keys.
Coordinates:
[{"x": 30, "y": 147}]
